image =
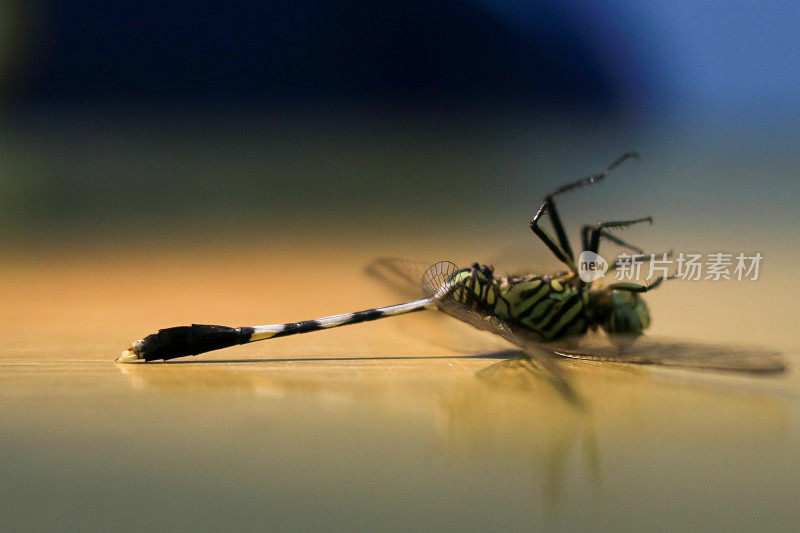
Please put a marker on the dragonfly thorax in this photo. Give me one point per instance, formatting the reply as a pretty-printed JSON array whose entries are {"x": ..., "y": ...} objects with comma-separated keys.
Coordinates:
[{"x": 551, "y": 307}]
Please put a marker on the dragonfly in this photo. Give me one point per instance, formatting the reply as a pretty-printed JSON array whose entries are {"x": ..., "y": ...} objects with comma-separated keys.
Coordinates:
[{"x": 547, "y": 317}]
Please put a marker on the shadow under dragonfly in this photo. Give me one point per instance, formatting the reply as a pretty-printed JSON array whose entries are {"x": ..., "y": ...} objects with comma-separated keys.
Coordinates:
[
  {"x": 508, "y": 358},
  {"x": 506, "y": 354}
]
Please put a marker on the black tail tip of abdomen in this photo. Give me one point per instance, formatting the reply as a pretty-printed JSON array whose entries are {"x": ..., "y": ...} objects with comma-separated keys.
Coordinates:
[{"x": 181, "y": 341}]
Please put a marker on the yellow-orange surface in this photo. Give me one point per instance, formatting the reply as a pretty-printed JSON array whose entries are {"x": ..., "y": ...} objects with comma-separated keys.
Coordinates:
[{"x": 412, "y": 422}]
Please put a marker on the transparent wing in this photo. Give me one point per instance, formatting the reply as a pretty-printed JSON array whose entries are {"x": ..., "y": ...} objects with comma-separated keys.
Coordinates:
[
  {"x": 436, "y": 281},
  {"x": 404, "y": 277},
  {"x": 595, "y": 347},
  {"x": 667, "y": 352},
  {"x": 437, "y": 285},
  {"x": 412, "y": 279},
  {"x": 643, "y": 350}
]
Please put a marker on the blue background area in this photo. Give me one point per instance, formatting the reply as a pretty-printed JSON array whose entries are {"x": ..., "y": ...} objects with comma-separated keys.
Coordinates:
[{"x": 726, "y": 58}]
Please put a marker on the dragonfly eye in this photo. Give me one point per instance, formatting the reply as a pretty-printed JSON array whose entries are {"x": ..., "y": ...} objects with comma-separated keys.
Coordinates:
[{"x": 626, "y": 314}]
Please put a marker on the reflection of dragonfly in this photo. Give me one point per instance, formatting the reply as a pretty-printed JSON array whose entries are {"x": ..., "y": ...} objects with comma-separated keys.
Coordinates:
[{"x": 543, "y": 315}]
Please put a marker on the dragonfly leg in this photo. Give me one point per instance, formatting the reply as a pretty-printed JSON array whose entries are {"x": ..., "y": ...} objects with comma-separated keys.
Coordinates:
[
  {"x": 595, "y": 178},
  {"x": 635, "y": 287},
  {"x": 585, "y": 234},
  {"x": 562, "y": 249},
  {"x": 599, "y": 230}
]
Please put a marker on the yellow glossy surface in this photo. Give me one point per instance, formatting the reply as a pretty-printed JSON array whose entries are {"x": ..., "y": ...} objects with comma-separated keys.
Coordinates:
[{"x": 376, "y": 425}]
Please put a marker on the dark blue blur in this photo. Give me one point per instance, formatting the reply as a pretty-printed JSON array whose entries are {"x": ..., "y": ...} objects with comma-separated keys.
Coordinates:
[{"x": 386, "y": 51}]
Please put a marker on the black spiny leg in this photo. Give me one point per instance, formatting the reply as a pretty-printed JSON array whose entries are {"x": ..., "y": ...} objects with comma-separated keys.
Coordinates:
[
  {"x": 562, "y": 254},
  {"x": 635, "y": 287},
  {"x": 599, "y": 230},
  {"x": 562, "y": 250},
  {"x": 585, "y": 238}
]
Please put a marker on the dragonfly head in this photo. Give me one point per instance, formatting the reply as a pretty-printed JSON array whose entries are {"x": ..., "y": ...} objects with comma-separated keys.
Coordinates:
[{"x": 623, "y": 315}]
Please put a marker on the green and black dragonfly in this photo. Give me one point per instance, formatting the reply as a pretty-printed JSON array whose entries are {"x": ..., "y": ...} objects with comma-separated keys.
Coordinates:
[{"x": 547, "y": 316}]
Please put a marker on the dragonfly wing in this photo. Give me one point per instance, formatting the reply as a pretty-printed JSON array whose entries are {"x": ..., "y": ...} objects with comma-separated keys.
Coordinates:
[
  {"x": 536, "y": 354},
  {"x": 643, "y": 350},
  {"x": 437, "y": 285},
  {"x": 401, "y": 275},
  {"x": 406, "y": 279},
  {"x": 666, "y": 352},
  {"x": 436, "y": 280}
]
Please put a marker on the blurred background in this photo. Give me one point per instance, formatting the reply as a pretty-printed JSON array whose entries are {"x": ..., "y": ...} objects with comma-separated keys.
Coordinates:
[
  {"x": 396, "y": 128},
  {"x": 240, "y": 163}
]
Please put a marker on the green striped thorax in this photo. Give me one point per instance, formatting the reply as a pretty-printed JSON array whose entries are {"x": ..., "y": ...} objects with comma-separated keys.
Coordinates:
[{"x": 554, "y": 307}]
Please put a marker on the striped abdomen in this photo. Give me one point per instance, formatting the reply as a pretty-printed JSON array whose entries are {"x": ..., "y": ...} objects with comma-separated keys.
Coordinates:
[{"x": 546, "y": 306}]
